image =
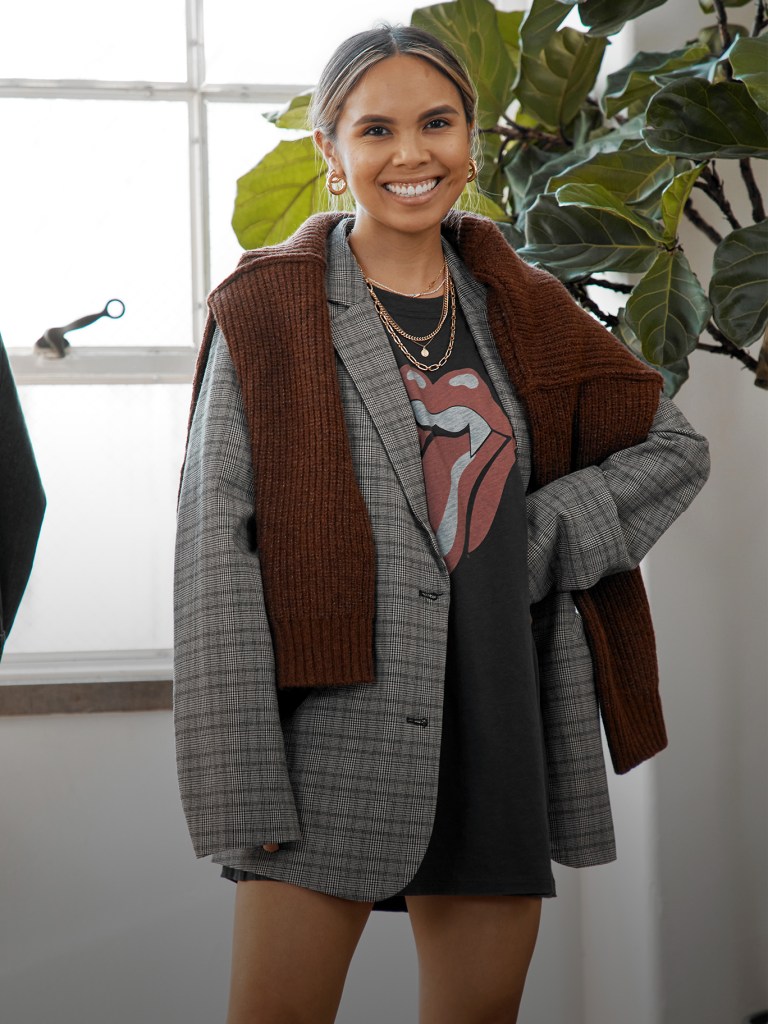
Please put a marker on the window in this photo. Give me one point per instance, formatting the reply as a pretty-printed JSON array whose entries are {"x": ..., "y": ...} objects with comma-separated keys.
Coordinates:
[{"x": 125, "y": 129}]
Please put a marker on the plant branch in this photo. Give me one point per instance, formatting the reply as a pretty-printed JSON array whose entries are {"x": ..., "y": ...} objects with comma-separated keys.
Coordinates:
[
  {"x": 695, "y": 217},
  {"x": 519, "y": 133},
  {"x": 614, "y": 286},
  {"x": 761, "y": 373},
  {"x": 722, "y": 23},
  {"x": 711, "y": 183},
  {"x": 579, "y": 291},
  {"x": 727, "y": 348},
  {"x": 755, "y": 198},
  {"x": 761, "y": 18}
]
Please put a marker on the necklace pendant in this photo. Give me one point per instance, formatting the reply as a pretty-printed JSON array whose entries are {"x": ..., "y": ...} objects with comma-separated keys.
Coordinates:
[{"x": 425, "y": 351}]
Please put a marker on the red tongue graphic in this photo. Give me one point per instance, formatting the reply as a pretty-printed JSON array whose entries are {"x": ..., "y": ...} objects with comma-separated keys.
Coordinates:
[{"x": 462, "y": 501}]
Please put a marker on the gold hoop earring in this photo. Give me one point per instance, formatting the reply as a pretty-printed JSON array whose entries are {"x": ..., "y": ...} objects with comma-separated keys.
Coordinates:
[
  {"x": 335, "y": 184},
  {"x": 472, "y": 172}
]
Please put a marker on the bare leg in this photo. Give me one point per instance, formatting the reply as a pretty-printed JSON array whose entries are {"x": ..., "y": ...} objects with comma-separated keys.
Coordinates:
[
  {"x": 291, "y": 951},
  {"x": 474, "y": 953}
]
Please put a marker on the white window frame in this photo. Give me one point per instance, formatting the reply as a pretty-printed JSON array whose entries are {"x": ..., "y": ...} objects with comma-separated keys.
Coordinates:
[
  {"x": 135, "y": 364},
  {"x": 149, "y": 364}
]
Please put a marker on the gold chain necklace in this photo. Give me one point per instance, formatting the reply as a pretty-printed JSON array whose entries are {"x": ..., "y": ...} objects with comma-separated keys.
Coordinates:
[
  {"x": 421, "y": 339},
  {"x": 392, "y": 329},
  {"x": 437, "y": 282}
]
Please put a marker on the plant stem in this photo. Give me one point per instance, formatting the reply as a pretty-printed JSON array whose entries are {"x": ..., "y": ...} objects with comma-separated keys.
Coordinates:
[
  {"x": 761, "y": 373},
  {"x": 758, "y": 210},
  {"x": 695, "y": 217},
  {"x": 711, "y": 183},
  {"x": 722, "y": 23},
  {"x": 521, "y": 134},
  {"x": 614, "y": 286},
  {"x": 579, "y": 292},
  {"x": 761, "y": 18},
  {"x": 727, "y": 348}
]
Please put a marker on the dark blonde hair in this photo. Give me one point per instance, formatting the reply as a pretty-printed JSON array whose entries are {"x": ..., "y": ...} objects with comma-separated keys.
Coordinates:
[{"x": 361, "y": 52}]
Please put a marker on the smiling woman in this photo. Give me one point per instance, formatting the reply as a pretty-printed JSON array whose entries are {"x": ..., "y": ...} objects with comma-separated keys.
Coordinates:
[{"x": 401, "y": 544}]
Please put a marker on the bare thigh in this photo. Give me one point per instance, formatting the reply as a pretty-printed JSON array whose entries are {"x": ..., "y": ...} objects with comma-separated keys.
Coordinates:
[
  {"x": 474, "y": 953},
  {"x": 291, "y": 951}
]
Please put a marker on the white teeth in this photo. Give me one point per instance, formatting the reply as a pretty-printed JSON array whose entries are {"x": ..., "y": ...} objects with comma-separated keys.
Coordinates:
[{"x": 412, "y": 190}]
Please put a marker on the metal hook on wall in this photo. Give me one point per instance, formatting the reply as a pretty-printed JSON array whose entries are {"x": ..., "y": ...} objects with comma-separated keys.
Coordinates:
[{"x": 54, "y": 345}]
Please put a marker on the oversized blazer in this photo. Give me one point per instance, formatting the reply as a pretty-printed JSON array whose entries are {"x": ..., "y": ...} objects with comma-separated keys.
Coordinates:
[{"x": 346, "y": 781}]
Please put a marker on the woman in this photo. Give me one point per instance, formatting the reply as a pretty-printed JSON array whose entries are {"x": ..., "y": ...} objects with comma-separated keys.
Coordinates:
[{"x": 409, "y": 455}]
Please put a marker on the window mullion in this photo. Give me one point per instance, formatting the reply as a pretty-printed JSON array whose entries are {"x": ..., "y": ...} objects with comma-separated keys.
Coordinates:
[{"x": 198, "y": 166}]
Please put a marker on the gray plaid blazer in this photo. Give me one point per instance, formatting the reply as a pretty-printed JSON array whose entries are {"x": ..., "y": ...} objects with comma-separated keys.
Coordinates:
[{"x": 347, "y": 784}]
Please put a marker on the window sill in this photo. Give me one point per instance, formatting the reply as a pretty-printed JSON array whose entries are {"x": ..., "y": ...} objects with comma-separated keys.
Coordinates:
[{"x": 102, "y": 365}]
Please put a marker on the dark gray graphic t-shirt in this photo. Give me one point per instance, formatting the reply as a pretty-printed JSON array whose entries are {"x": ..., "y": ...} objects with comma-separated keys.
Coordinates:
[{"x": 490, "y": 833}]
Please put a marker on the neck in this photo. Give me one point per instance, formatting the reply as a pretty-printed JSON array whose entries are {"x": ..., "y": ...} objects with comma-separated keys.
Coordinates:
[{"x": 405, "y": 262}]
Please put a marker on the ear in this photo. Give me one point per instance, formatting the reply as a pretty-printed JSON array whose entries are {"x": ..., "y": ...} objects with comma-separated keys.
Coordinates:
[{"x": 325, "y": 146}]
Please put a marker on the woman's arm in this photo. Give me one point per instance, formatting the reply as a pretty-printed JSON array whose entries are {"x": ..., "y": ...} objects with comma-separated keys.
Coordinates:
[
  {"x": 231, "y": 759},
  {"x": 604, "y": 519}
]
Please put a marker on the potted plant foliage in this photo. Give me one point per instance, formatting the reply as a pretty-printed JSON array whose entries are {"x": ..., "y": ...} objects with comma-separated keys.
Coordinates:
[{"x": 593, "y": 184}]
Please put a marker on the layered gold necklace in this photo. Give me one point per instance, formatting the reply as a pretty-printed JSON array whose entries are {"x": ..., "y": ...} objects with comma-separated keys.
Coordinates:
[{"x": 399, "y": 335}]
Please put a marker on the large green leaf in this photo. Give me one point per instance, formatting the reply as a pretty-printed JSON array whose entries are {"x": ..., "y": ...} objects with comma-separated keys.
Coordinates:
[
  {"x": 558, "y": 163},
  {"x": 573, "y": 241},
  {"x": 699, "y": 120},
  {"x": 279, "y": 193},
  {"x": 749, "y": 60},
  {"x": 597, "y": 197},
  {"x": 294, "y": 114},
  {"x": 606, "y": 17},
  {"x": 509, "y": 28},
  {"x": 739, "y": 285},
  {"x": 631, "y": 174},
  {"x": 712, "y": 38},
  {"x": 541, "y": 20},
  {"x": 554, "y": 83},
  {"x": 474, "y": 200},
  {"x": 668, "y": 309},
  {"x": 674, "y": 374},
  {"x": 635, "y": 82},
  {"x": 673, "y": 201},
  {"x": 471, "y": 29}
]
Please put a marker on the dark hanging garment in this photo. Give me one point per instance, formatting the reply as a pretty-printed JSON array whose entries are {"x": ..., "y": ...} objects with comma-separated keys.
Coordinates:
[{"x": 22, "y": 500}]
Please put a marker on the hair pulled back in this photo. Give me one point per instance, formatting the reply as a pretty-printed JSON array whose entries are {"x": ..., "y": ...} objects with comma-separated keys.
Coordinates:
[{"x": 362, "y": 51}]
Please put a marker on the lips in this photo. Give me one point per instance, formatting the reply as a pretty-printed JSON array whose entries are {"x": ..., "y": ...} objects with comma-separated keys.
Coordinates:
[{"x": 468, "y": 451}]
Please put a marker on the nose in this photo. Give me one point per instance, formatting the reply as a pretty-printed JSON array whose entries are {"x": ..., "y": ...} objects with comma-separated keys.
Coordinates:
[{"x": 412, "y": 150}]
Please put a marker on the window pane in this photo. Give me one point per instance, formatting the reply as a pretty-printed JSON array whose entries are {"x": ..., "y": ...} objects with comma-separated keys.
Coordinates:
[
  {"x": 238, "y": 137},
  {"x": 286, "y": 42},
  {"x": 109, "y": 457},
  {"x": 140, "y": 41},
  {"x": 95, "y": 206}
]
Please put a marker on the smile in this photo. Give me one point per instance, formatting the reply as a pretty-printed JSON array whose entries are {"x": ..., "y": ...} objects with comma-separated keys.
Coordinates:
[{"x": 403, "y": 189}]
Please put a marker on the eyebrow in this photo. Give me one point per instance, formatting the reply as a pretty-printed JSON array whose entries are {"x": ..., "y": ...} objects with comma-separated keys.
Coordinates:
[{"x": 383, "y": 119}]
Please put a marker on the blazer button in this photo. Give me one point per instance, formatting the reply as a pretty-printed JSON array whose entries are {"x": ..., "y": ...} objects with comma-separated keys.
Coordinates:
[
  {"x": 430, "y": 595},
  {"x": 416, "y": 721}
]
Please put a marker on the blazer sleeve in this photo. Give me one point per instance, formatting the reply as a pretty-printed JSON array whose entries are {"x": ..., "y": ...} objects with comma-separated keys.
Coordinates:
[
  {"x": 604, "y": 519},
  {"x": 231, "y": 760}
]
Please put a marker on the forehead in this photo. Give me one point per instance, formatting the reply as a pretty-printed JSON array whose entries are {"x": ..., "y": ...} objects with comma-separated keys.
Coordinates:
[{"x": 401, "y": 82}]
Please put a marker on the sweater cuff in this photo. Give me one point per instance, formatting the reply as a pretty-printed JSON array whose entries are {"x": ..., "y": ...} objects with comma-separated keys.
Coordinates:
[{"x": 332, "y": 651}]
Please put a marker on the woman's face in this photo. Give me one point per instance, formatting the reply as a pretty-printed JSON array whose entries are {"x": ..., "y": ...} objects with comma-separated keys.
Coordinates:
[{"x": 403, "y": 144}]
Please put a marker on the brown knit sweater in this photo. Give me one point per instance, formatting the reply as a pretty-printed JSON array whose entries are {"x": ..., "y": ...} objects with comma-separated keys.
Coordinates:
[{"x": 585, "y": 397}]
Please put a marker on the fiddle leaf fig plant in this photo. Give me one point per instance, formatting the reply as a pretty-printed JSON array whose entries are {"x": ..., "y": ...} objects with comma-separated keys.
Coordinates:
[{"x": 592, "y": 182}]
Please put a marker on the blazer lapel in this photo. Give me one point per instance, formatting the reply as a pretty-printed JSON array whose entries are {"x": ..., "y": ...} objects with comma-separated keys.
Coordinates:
[{"x": 363, "y": 347}]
